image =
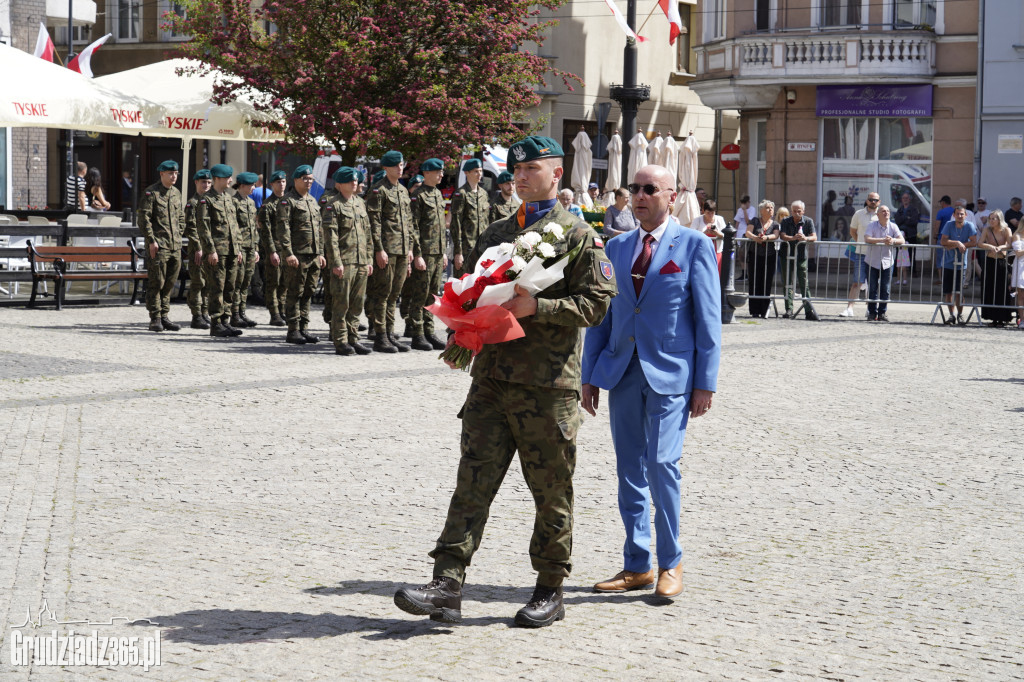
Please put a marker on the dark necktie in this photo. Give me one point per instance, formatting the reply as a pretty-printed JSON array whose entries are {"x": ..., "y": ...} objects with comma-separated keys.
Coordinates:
[{"x": 643, "y": 261}]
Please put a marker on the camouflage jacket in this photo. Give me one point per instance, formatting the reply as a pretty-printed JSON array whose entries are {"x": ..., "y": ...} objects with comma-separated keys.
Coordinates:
[
  {"x": 346, "y": 230},
  {"x": 549, "y": 354},
  {"x": 298, "y": 229},
  {"x": 191, "y": 231},
  {"x": 161, "y": 218},
  {"x": 503, "y": 208},
  {"x": 217, "y": 223},
  {"x": 390, "y": 211},
  {"x": 470, "y": 216},
  {"x": 245, "y": 213},
  {"x": 266, "y": 218},
  {"x": 428, "y": 217}
]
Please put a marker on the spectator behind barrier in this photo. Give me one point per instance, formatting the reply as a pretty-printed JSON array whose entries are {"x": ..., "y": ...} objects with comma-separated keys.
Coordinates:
[
  {"x": 995, "y": 242},
  {"x": 880, "y": 235},
  {"x": 764, "y": 232},
  {"x": 1017, "y": 275},
  {"x": 957, "y": 236}
]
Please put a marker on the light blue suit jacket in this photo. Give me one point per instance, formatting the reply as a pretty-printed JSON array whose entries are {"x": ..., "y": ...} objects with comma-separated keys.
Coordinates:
[{"x": 675, "y": 324}]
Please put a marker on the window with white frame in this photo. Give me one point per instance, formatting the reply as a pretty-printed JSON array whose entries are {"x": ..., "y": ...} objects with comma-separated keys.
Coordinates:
[
  {"x": 684, "y": 55},
  {"x": 911, "y": 13},
  {"x": 167, "y": 32},
  {"x": 840, "y": 13},
  {"x": 81, "y": 35},
  {"x": 126, "y": 20},
  {"x": 714, "y": 20}
]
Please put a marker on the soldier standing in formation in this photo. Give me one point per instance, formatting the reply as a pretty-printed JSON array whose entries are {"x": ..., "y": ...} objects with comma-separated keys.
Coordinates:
[
  {"x": 524, "y": 397},
  {"x": 470, "y": 213},
  {"x": 393, "y": 236},
  {"x": 273, "y": 280},
  {"x": 246, "y": 215},
  {"x": 198, "y": 286},
  {"x": 349, "y": 257},
  {"x": 429, "y": 257},
  {"x": 217, "y": 223},
  {"x": 161, "y": 220},
  {"x": 300, "y": 240},
  {"x": 506, "y": 203}
]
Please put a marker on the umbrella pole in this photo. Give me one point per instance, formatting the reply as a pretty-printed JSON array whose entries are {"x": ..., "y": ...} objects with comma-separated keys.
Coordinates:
[{"x": 186, "y": 147}]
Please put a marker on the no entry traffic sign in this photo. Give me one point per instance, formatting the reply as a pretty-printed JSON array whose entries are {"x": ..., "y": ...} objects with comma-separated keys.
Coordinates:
[{"x": 730, "y": 157}]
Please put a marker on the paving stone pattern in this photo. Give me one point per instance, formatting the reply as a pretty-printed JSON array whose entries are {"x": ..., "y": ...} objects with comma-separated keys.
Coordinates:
[{"x": 852, "y": 509}]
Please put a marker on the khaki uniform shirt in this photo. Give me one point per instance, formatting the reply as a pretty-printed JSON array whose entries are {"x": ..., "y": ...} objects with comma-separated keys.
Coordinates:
[
  {"x": 217, "y": 223},
  {"x": 267, "y": 218},
  {"x": 428, "y": 217},
  {"x": 346, "y": 230},
  {"x": 161, "y": 218},
  {"x": 503, "y": 208},
  {"x": 470, "y": 216},
  {"x": 298, "y": 229},
  {"x": 245, "y": 213},
  {"x": 390, "y": 211},
  {"x": 191, "y": 230}
]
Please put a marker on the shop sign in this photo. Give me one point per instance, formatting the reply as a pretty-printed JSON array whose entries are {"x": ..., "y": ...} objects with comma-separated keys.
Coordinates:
[{"x": 898, "y": 101}]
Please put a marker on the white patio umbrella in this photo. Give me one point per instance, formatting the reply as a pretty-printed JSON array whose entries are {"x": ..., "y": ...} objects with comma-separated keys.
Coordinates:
[
  {"x": 582, "y": 163},
  {"x": 687, "y": 207},
  {"x": 614, "y": 179},
  {"x": 637, "y": 155},
  {"x": 670, "y": 158},
  {"x": 654, "y": 150},
  {"x": 41, "y": 94}
]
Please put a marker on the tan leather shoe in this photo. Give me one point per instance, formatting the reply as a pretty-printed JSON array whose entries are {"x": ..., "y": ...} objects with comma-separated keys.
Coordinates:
[
  {"x": 670, "y": 582},
  {"x": 625, "y": 581}
]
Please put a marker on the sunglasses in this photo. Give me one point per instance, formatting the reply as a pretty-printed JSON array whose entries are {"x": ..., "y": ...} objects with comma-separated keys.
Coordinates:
[
  {"x": 649, "y": 190},
  {"x": 874, "y": 200}
]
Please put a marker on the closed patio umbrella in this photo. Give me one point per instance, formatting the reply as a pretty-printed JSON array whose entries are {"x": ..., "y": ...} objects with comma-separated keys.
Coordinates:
[
  {"x": 582, "y": 162},
  {"x": 614, "y": 179},
  {"x": 637, "y": 154},
  {"x": 687, "y": 207},
  {"x": 670, "y": 158}
]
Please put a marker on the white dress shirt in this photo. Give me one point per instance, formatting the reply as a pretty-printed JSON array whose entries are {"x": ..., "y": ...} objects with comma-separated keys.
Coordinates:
[{"x": 658, "y": 233}]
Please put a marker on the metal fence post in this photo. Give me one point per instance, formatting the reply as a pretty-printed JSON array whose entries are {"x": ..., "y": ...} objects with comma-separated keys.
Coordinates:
[{"x": 729, "y": 299}]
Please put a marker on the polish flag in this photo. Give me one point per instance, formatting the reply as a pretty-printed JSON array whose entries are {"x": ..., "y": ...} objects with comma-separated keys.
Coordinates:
[
  {"x": 671, "y": 10},
  {"x": 44, "y": 46},
  {"x": 622, "y": 22},
  {"x": 80, "y": 62}
]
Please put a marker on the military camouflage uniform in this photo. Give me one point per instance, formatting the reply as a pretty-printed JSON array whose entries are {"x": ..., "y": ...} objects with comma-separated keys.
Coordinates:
[
  {"x": 198, "y": 287},
  {"x": 273, "y": 284},
  {"x": 217, "y": 222},
  {"x": 524, "y": 397},
  {"x": 161, "y": 220},
  {"x": 428, "y": 217},
  {"x": 298, "y": 233},
  {"x": 247, "y": 228},
  {"x": 502, "y": 207},
  {"x": 329, "y": 196},
  {"x": 349, "y": 243},
  {"x": 390, "y": 214},
  {"x": 470, "y": 216}
]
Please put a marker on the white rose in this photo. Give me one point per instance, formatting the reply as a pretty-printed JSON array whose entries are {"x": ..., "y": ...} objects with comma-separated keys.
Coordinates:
[
  {"x": 555, "y": 229},
  {"x": 504, "y": 249},
  {"x": 545, "y": 250},
  {"x": 517, "y": 264},
  {"x": 532, "y": 238}
]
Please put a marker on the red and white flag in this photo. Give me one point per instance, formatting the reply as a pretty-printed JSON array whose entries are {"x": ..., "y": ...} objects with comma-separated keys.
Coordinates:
[
  {"x": 671, "y": 9},
  {"x": 80, "y": 62},
  {"x": 44, "y": 46},
  {"x": 622, "y": 22}
]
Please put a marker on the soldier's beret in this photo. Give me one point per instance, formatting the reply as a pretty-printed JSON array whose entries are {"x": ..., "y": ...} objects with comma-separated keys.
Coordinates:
[
  {"x": 534, "y": 147},
  {"x": 378, "y": 175},
  {"x": 222, "y": 170},
  {"x": 344, "y": 174},
  {"x": 202, "y": 174},
  {"x": 302, "y": 171},
  {"x": 167, "y": 166},
  {"x": 472, "y": 164},
  {"x": 431, "y": 165},
  {"x": 362, "y": 176},
  {"x": 392, "y": 158},
  {"x": 247, "y": 178},
  {"x": 504, "y": 177},
  {"x": 416, "y": 179},
  {"x": 278, "y": 175}
]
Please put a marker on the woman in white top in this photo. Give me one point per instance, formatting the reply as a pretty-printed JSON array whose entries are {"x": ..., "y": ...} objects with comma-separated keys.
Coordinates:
[
  {"x": 1017, "y": 274},
  {"x": 711, "y": 224}
]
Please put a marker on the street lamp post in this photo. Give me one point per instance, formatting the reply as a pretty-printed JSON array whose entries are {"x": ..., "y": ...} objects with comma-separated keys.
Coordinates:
[
  {"x": 629, "y": 94},
  {"x": 69, "y": 176}
]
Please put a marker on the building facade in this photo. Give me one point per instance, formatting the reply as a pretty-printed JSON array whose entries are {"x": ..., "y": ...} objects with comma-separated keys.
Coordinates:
[{"x": 1001, "y": 119}]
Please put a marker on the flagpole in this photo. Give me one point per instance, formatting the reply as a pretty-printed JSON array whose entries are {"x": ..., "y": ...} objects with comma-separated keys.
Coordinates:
[
  {"x": 656, "y": 5},
  {"x": 71, "y": 176}
]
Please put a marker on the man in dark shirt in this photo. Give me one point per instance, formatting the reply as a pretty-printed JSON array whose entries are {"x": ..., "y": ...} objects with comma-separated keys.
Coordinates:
[
  {"x": 796, "y": 231},
  {"x": 1013, "y": 214}
]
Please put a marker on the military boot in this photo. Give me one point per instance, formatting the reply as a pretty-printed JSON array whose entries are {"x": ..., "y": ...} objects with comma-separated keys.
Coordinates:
[
  {"x": 235, "y": 331},
  {"x": 236, "y": 321},
  {"x": 344, "y": 349},
  {"x": 397, "y": 343},
  {"x": 246, "y": 320},
  {"x": 544, "y": 608},
  {"x": 309, "y": 337},
  {"x": 409, "y": 331},
  {"x": 359, "y": 348},
  {"x": 220, "y": 331},
  {"x": 437, "y": 343},
  {"x": 295, "y": 337},
  {"x": 206, "y": 318},
  {"x": 168, "y": 325},
  {"x": 276, "y": 320},
  {"x": 155, "y": 325},
  {"x": 198, "y": 322},
  {"x": 419, "y": 342},
  {"x": 441, "y": 599},
  {"x": 381, "y": 344}
]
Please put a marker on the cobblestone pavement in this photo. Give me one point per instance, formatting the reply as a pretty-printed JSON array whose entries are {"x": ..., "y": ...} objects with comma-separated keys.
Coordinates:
[{"x": 852, "y": 508}]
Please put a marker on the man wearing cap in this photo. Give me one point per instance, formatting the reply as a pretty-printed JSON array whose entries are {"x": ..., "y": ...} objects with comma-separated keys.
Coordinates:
[
  {"x": 390, "y": 213},
  {"x": 219, "y": 238},
  {"x": 273, "y": 277},
  {"x": 300, "y": 240},
  {"x": 161, "y": 220},
  {"x": 245, "y": 209},
  {"x": 198, "y": 287},
  {"x": 429, "y": 259},
  {"x": 505, "y": 204},
  {"x": 524, "y": 397},
  {"x": 349, "y": 257},
  {"x": 471, "y": 211}
]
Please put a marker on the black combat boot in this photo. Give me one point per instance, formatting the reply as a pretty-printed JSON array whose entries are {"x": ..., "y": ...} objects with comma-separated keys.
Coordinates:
[
  {"x": 359, "y": 348},
  {"x": 277, "y": 321},
  {"x": 236, "y": 321},
  {"x": 437, "y": 343},
  {"x": 246, "y": 320},
  {"x": 155, "y": 325},
  {"x": 206, "y": 318},
  {"x": 409, "y": 331},
  {"x": 220, "y": 331},
  {"x": 397, "y": 343},
  {"x": 168, "y": 325},
  {"x": 309, "y": 337},
  {"x": 362, "y": 327},
  {"x": 235, "y": 331},
  {"x": 543, "y": 609},
  {"x": 344, "y": 349},
  {"x": 419, "y": 342},
  {"x": 295, "y": 337},
  {"x": 198, "y": 322},
  {"x": 441, "y": 599},
  {"x": 381, "y": 344}
]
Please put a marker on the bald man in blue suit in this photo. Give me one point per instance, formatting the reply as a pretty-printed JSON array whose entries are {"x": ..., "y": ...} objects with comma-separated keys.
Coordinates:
[{"x": 657, "y": 354}]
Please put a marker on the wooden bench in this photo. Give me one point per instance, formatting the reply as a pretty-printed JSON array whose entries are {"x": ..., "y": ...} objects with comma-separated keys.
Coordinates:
[{"x": 51, "y": 263}]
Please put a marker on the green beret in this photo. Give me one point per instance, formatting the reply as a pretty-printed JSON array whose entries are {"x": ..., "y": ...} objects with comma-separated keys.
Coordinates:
[
  {"x": 202, "y": 174},
  {"x": 361, "y": 175},
  {"x": 471, "y": 164},
  {"x": 278, "y": 175},
  {"x": 378, "y": 176},
  {"x": 392, "y": 158},
  {"x": 345, "y": 174},
  {"x": 167, "y": 166},
  {"x": 431, "y": 165},
  {"x": 247, "y": 178},
  {"x": 222, "y": 170},
  {"x": 534, "y": 147},
  {"x": 416, "y": 179},
  {"x": 301, "y": 171},
  {"x": 505, "y": 177}
]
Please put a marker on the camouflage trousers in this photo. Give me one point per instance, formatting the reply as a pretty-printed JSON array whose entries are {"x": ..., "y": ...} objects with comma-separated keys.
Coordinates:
[
  {"x": 384, "y": 287},
  {"x": 198, "y": 286},
  {"x": 243, "y": 278},
  {"x": 162, "y": 273},
  {"x": 221, "y": 279},
  {"x": 273, "y": 287},
  {"x": 419, "y": 292},
  {"x": 405, "y": 300},
  {"x": 347, "y": 294},
  {"x": 300, "y": 283},
  {"x": 498, "y": 419}
]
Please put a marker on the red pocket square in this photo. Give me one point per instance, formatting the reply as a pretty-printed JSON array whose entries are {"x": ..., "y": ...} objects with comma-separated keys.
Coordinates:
[{"x": 670, "y": 268}]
